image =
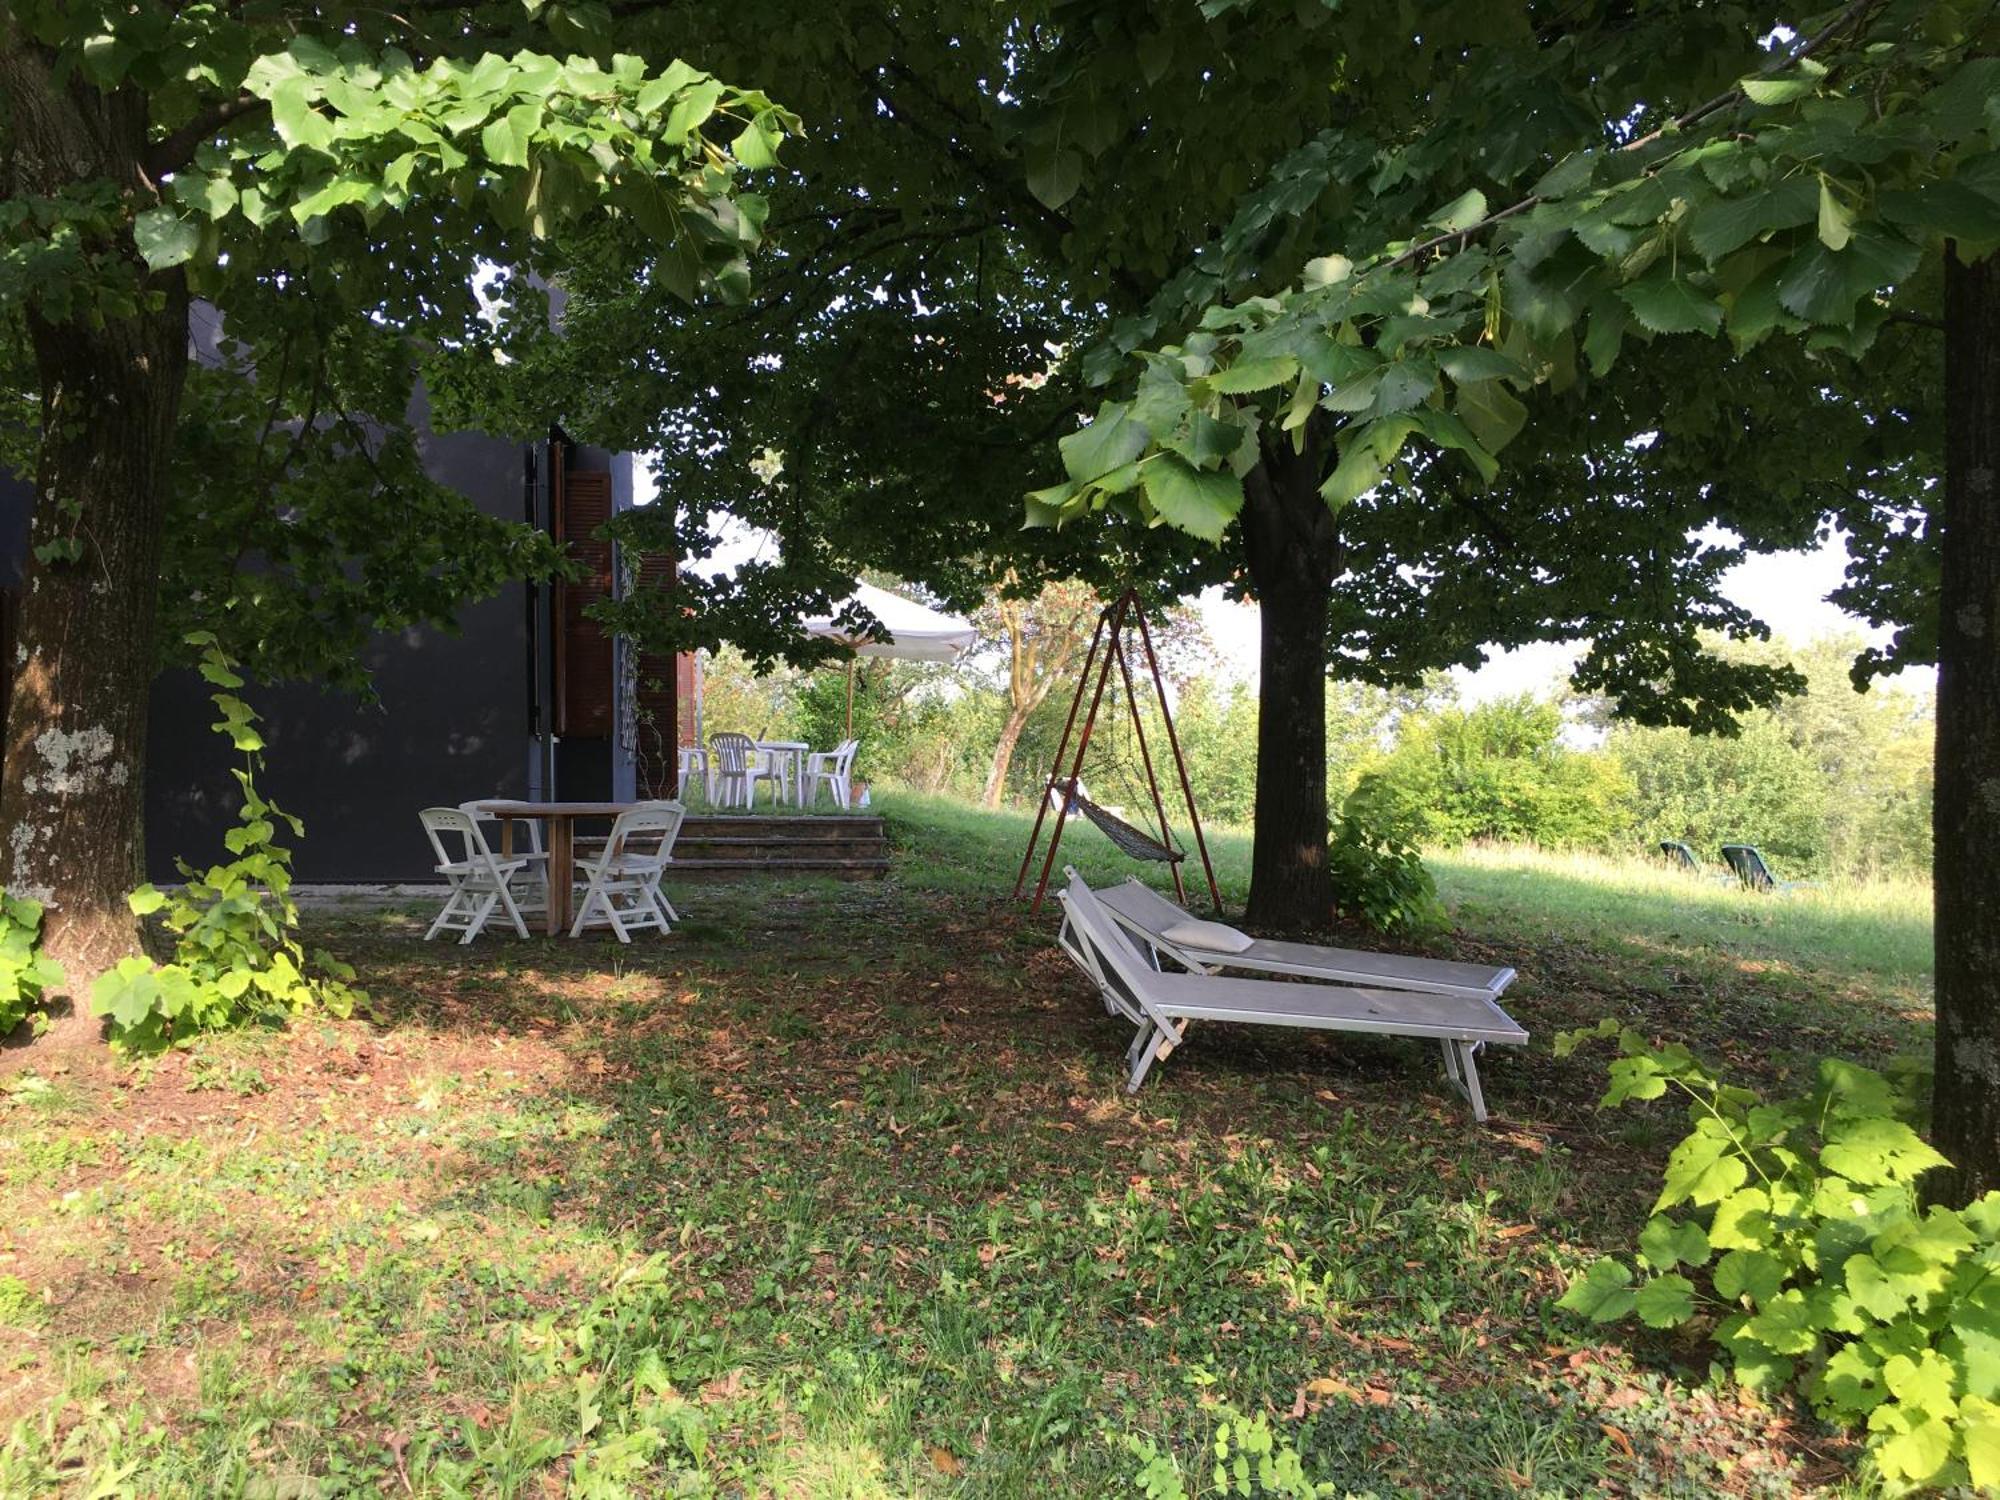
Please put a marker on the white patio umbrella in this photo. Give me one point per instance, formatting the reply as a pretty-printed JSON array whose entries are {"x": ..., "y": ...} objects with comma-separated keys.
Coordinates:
[{"x": 913, "y": 632}]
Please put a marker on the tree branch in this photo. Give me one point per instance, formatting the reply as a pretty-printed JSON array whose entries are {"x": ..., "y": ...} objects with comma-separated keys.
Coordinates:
[{"x": 175, "y": 151}]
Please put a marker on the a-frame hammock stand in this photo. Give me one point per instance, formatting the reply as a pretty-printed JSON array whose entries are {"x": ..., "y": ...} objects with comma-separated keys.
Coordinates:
[{"x": 1107, "y": 646}]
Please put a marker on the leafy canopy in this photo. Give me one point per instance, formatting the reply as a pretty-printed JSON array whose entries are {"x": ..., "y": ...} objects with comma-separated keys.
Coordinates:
[{"x": 333, "y": 181}]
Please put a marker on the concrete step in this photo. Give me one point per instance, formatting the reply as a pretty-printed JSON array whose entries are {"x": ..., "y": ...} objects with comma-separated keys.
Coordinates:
[
  {"x": 775, "y": 826},
  {"x": 735, "y": 869}
]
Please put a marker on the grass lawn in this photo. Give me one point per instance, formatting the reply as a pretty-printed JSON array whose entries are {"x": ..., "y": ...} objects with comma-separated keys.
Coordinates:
[{"x": 835, "y": 1192}]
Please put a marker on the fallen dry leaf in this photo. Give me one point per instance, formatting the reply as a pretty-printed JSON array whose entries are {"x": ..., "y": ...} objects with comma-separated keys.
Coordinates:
[{"x": 945, "y": 1462}]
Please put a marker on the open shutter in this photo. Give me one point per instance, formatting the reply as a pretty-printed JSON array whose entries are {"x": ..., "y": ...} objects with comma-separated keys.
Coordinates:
[
  {"x": 658, "y": 700},
  {"x": 584, "y": 673}
]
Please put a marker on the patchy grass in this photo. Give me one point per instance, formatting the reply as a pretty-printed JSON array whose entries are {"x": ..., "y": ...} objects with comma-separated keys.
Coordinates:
[{"x": 835, "y": 1193}]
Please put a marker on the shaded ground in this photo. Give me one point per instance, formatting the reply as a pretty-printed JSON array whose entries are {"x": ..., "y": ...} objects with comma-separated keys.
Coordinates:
[{"x": 835, "y": 1193}]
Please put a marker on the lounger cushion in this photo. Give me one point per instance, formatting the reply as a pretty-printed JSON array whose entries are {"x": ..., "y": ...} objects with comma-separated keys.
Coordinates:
[{"x": 1216, "y": 937}]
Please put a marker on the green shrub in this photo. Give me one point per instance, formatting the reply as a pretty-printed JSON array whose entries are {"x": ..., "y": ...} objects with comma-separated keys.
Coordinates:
[
  {"x": 1249, "y": 1458},
  {"x": 1805, "y": 1255},
  {"x": 25, "y": 971},
  {"x": 237, "y": 956},
  {"x": 1380, "y": 878}
]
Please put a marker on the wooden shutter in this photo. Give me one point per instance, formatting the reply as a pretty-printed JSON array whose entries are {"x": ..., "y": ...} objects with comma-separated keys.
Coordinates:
[
  {"x": 584, "y": 675},
  {"x": 659, "y": 700}
]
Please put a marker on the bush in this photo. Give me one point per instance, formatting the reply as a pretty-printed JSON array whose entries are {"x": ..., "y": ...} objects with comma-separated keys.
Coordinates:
[
  {"x": 25, "y": 971},
  {"x": 1498, "y": 771},
  {"x": 1809, "y": 1261},
  {"x": 236, "y": 951},
  {"x": 1379, "y": 877}
]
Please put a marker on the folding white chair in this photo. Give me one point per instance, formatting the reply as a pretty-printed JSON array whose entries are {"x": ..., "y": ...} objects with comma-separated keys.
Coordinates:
[
  {"x": 479, "y": 881},
  {"x": 833, "y": 770},
  {"x": 735, "y": 770},
  {"x": 531, "y": 887},
  {"x": 622, "y": 884}
]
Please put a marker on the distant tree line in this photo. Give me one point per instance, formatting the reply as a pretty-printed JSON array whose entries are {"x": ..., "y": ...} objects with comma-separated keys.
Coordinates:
[{"x": 1829, "y": 782}]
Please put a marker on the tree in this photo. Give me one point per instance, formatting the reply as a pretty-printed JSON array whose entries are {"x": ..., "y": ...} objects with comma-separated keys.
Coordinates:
[
  {"x": 330, "y": 179},
  {"x": 1816, "y": 192},
  {"x": 957, "y": 266},
  {"x": 1046, "y": 636}
]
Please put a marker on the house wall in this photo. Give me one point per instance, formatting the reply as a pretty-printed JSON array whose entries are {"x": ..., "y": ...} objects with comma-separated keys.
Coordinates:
[{"x": 451, "y": 725}]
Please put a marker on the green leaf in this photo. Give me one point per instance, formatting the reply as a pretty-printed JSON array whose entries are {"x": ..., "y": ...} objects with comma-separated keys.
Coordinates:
[
  {"x": 1786, "y": 1324},
  {"x": 1916, "y": 1453},
  {"x": 1836, "y": 220},
  {"x": 145, "y": 901},
  {"x": 1664, "y": 303},
  {"x": 1853, "y": 1379},
  {"x": 1765, "y": 89},
  {"x": 1464, "y": 211},
  {"x": 1602, "y": 1294},
  {"x": 1110, "y": 442},
  {"x": 1979, "y": 1429},
  {"x": 164, "y": 238},
  {"x": 1467, "y": 363},
  {"x": 1495, "y": 415},
  {"x": 1823, "y": 286},
  {"x": 757, "y": 146},
  {"x": 1947, "y": 208},
  {"x": 1193, "y": 500},
  {"x": 1248, "y": 375},
  {"x": 1669, "y": 1242},
  {"x": 505, "y": 143},
  {"x": 1328, "y": 270},
  {"x": 299, "y": 124},
  {"x": 1665, "y": 1301},
  {"x": 1742, "y": 1221},
  {"x": 1724, "y": 225},
  {"x": 1756, "y": 1274},
  {"x": 1877, "y": 1150},
  {"x": 1054, "y": 175},
  {"x": 1702, "y": 1169}
]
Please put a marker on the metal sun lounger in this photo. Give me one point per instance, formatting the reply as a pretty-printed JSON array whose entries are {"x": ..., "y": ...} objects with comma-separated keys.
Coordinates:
[
  {"x": 1161, "y": 1005},
  {"x": 1147, "y": 915}
]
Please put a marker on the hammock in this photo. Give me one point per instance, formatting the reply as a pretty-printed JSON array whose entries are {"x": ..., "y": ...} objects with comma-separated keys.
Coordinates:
[{"x": 1134, "y": 841}]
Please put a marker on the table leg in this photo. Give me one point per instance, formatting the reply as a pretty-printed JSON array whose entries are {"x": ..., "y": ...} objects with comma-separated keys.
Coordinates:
[{"x": 562, "y": 869}]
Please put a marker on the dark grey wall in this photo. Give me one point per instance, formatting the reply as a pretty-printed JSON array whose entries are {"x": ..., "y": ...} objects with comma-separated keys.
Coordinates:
[{"x": 452, "y": 724}]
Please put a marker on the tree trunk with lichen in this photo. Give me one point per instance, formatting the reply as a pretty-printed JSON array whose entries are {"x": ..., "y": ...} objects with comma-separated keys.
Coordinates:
[
  {"x": 1966, "y": 1118},
  {"x": 70, "y": 795}
]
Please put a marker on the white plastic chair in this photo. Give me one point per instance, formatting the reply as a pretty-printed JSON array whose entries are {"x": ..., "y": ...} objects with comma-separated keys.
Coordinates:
[
  {"x": 531, "y": 887},
  {"x": 622, "y": 884},
  {"x": 479, "y": 881},
  {"x": 736, "y": 768},
  {"x": 832, "y": 770},
  {"x": 695, "y": 762}
]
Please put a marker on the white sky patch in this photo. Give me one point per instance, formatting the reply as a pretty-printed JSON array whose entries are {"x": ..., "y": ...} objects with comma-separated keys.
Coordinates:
[{"x": 1786, "y": 590}]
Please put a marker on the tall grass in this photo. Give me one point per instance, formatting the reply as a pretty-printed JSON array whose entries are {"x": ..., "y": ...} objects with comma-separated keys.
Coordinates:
[{"x": 1878, "y": 927}]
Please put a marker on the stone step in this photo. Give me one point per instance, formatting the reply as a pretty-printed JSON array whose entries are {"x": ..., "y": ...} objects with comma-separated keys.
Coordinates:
[
  {"x": 865, "y": 868},
  {"x": 777, "y": 827}
]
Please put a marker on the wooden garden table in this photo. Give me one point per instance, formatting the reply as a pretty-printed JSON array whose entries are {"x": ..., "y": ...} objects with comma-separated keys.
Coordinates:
[{"x": 561, "y": 845}]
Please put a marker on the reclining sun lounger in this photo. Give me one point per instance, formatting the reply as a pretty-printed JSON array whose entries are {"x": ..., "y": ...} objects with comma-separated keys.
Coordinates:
[
  {"x": 1161, "y": 1005},
  {"x": 1150, "y": 917}
]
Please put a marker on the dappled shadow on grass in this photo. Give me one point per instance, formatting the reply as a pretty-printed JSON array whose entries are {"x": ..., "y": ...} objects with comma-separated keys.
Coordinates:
[{"x": 911, "y": 1235}]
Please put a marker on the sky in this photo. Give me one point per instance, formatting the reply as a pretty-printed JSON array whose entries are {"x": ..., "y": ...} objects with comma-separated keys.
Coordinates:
[{"x": 1786, "y": 590}]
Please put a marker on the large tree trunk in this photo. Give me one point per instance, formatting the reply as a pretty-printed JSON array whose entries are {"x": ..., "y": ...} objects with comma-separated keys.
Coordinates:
[
  {"x": 70, "y": 795},
  {"x": 1967, "y": 809},
  {"x": 1292, "y": 548},
  {"x": 1003, "y": 752}
]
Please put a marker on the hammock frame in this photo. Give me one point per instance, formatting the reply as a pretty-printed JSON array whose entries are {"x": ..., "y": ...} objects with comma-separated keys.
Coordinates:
[{"x": 1107, "y": 646}]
